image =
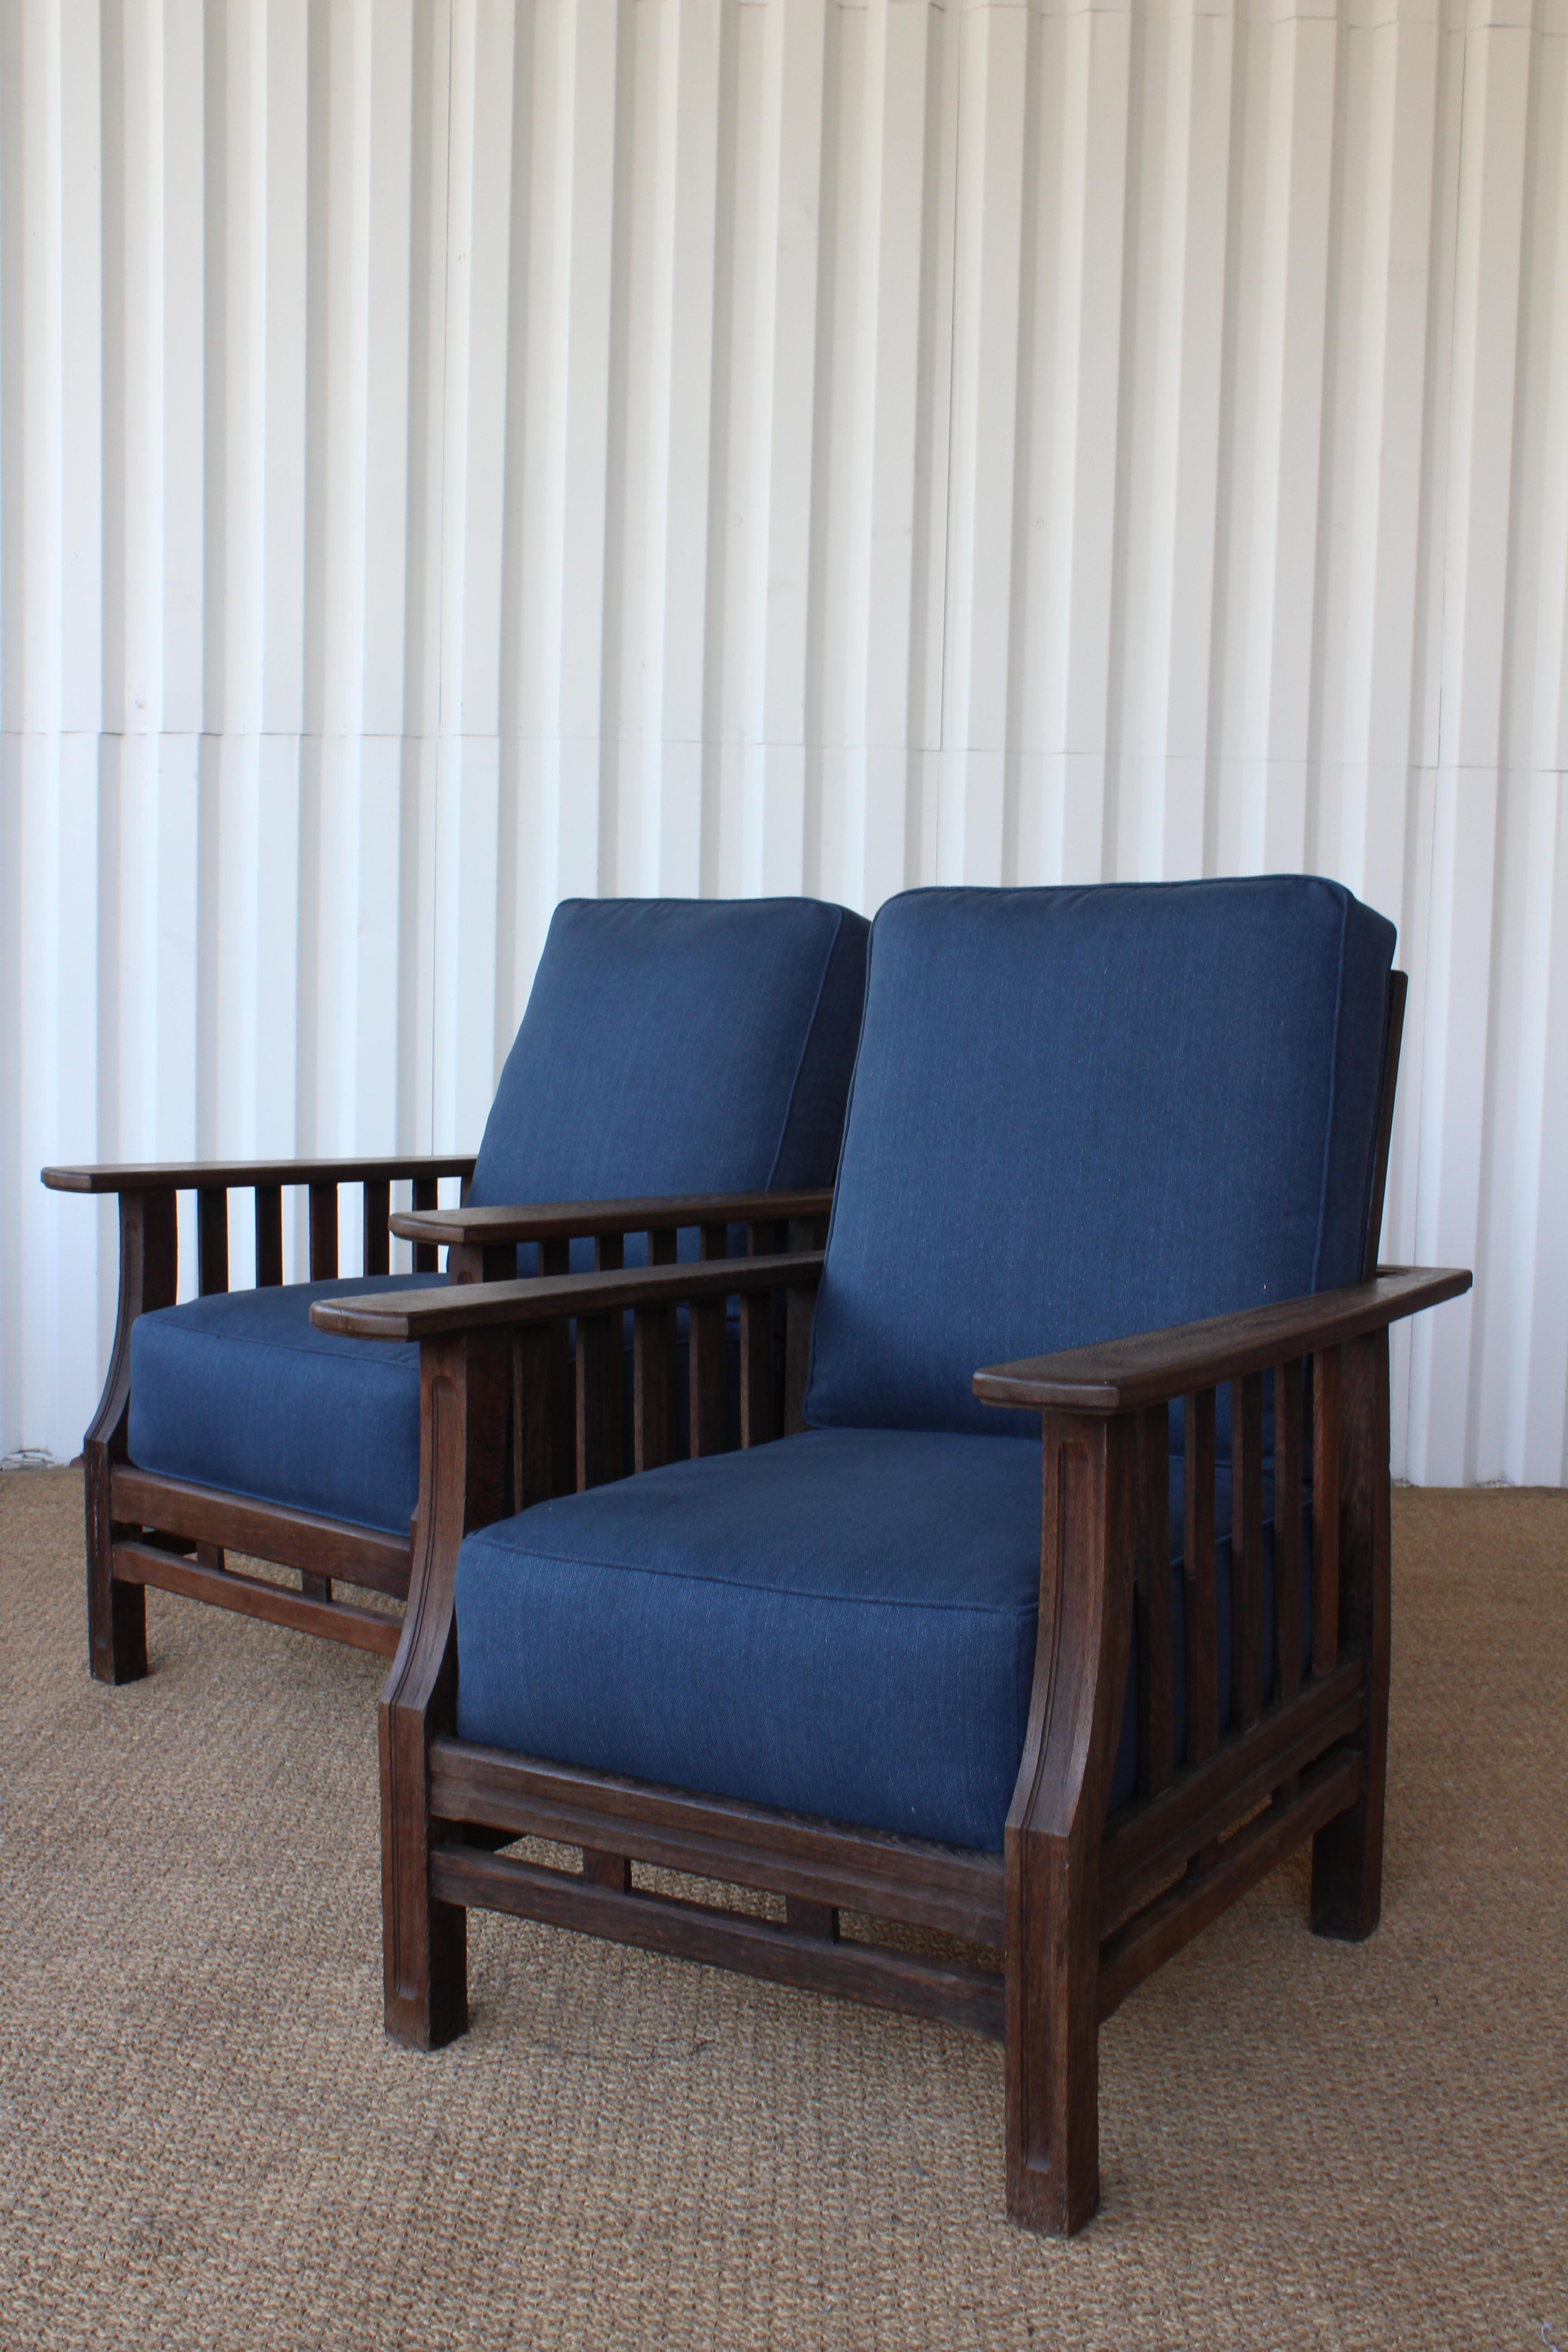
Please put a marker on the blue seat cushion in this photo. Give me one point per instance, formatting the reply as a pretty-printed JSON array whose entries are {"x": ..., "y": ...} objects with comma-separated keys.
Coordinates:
[
  {"x": 841, "y": 1623},
  {"x": 240, "y": 1390},
  {"x": 1080, "y": 1114},
  {"x": 675, "y": 1046}
]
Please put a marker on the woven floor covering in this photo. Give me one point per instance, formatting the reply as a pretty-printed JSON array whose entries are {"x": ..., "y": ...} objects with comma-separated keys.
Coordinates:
[{"x": 207, "y": 2140}]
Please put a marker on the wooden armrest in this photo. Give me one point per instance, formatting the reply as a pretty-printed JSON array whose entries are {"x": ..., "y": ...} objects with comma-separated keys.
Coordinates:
[
  {"x": 1152, "y": 1367},
  {"x": 483, "y": 1306},
  {"x": 240, "y": 1175},
  {"x": 567, "y": 1220}
]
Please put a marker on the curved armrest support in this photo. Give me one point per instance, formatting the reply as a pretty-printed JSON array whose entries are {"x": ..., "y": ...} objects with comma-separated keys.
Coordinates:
[
  {"x": 569, "y": 1220},
  {"x": 1116, "y": 1376},
  {"x": 425, "y": 1314},
  {"x": 240, "y": 1175}
]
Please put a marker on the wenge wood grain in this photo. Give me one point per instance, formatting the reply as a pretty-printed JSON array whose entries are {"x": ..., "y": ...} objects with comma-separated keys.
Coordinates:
[
  {"x": 210, "y": 1514},
  {"x": 251, "y": 1596},
  {"x": 1155, "y": 1934},
  {"x": 1152, "y": 1367},
  {"x": 484, "y": 1306},
  {"x": 568, "y": 1220},
  {"x": 885, "y": 1976},
  {"x": 240, "y": 1175}
]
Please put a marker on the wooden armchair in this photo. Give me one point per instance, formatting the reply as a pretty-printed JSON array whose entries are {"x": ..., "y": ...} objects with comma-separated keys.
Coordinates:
[
  {"x": 682, "y": 1068},
  {"x": 1064, "y": 1703}
]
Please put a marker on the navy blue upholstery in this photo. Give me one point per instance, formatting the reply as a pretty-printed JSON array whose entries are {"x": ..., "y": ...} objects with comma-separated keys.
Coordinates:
[
  {"x": 240, "y": 1390},
  {"x": 670, "y": 1045},
  {"x": 679, "y": 1045},
  {"x": 1078, "y": 1113},
  {"x": 842, "y": 1623}
]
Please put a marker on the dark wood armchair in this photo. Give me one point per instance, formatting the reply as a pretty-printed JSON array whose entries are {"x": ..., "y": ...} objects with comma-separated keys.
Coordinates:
[
  {"x": 1259, "y": 1724},
  {"x": 694, "y": 1056}
]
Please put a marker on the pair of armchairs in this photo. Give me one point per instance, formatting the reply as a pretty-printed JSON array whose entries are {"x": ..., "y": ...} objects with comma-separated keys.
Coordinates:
[{"x": 1059, "y": 1614}]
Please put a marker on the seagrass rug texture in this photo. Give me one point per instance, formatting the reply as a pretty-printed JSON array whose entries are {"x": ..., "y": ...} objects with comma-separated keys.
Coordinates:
[{"x": 205, "y": 2140}]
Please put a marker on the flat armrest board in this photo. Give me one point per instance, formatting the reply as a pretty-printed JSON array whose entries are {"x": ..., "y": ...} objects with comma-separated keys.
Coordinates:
[
  {"x": 486, "y": 1306},
  {"x": 1153, "y": 1367},
  {"x": 238, "y": 1175},
  {"x": 570, "y": 1220}
]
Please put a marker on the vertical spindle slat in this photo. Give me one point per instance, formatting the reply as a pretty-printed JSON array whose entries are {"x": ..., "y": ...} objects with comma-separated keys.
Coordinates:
[
  {"x": 1325, "y": 1510},
  {"x": 377, "y": 1228},
  {"x": 1288, "y": 1430},
  {"x": 1245, "y": 1551},
  {"x": 534, "y": 1469},
  {"x": 609, "y": 1253},
  {"x": 600, "y": 1456},
  {"x": 426, "y": 1193},
  {"x": 555, "y": 1257},
  {"x": 323, "y": 1231},
  {"x": 653, "y": 1391},
  {"x": 269, "y": 1236},
  {"x": 212, "y": 1239},
  {"x": 1152, "y": 1600},
  {"x": 708, "y": 1353},
  {"x": 1198, "y": 1577}
]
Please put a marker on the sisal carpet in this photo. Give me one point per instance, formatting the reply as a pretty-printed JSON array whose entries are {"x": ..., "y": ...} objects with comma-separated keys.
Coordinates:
[{"x": 205, "y": 2140}]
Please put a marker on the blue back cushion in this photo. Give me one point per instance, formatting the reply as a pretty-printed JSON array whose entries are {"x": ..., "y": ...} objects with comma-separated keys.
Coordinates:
[
  {"x": 679, "y": 1045},
  {"x": 1082, "y": 1113}
]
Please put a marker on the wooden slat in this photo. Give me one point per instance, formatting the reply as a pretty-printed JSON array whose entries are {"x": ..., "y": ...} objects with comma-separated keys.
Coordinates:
[
  {"x": 212, "y": 1239},
  {"x": 568, "y": 1220},
  {"x": 1151, "y": 1602},
  {"x": 238, "y": 1175},
  {"x": 1198, "y": 1578},
  {"x": 450, "y": 1309},
  {"x": 613, "y": 1870},
  {"x": 1148, "y": 1842},
  {"x": 426, "y": 1193},
  {"x": 554, "y": 1258},
  {"x": 804, "y": 1917},
  {"x": 377, "y": 1227},
  {"x": 1115, "y": 1375},
  {"x": 249, "y": 1596},
  {"x": 759, "y": 1417},
  {"x": 715, "y": 1835},
  {"x": 1288, "y": 1436},
  {"x": 609, "y": 1253},
  {"x": 317, "y": 1547},
  {"x": 876, "y": 1974},
  {"x": 600, "y": 1415},
  {"x": 1245, "y": 1550},
  {"x": 323, "y": 1231},
  {"x": 1325, "y": 1509},
  {"x": 1152, "y": 1936},
  {"x": 653, "y": 1387},
  {"x": 533, "y": 1395},
  {"x": 269, "y": 1236}
]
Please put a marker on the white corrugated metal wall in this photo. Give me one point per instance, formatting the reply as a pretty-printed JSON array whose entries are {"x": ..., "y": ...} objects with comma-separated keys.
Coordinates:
[{"x": 453, "y": 455}]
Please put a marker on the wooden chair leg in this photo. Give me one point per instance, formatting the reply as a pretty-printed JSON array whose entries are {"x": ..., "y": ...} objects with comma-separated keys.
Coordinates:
[
  {"x": 464, "y": 1412},
  {"x": 116, "y": 1613},
  {"x": 149, "y": 1265},
  {"x": 1058, "y": 1822},
  {"x": 1347, "y": 1855},
  {"x": 424, "y": 1943}
]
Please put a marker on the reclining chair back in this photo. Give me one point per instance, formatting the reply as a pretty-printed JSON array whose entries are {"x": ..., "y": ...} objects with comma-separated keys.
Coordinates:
[
  {"x": 1082, "y": 1113},
  {"x": 679, "y": 1045}
]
